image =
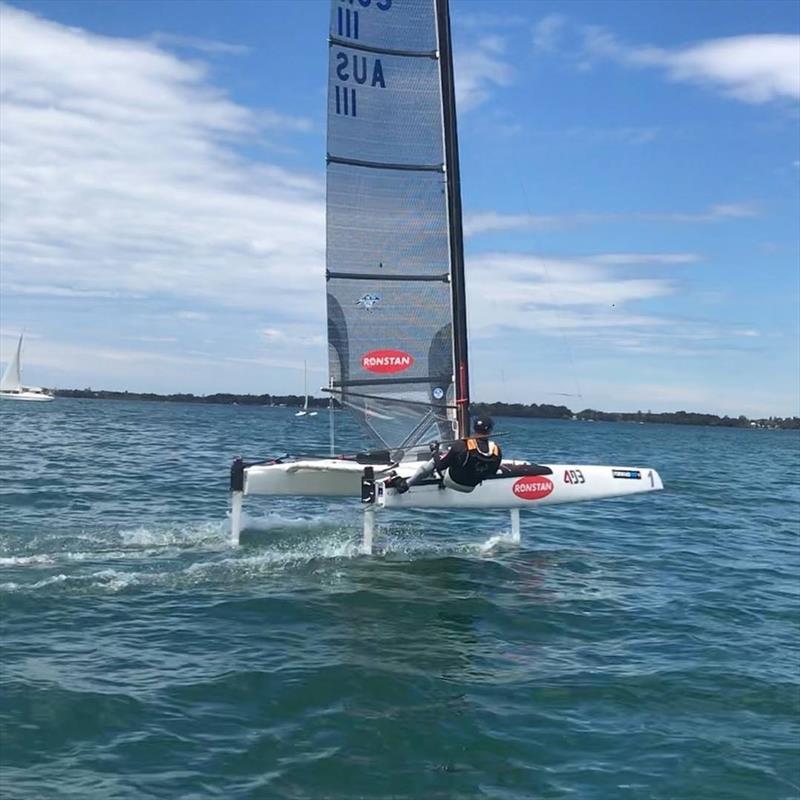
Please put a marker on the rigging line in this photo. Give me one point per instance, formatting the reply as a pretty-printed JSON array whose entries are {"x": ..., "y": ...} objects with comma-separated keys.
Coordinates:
[{"x": 548, "y": 284}]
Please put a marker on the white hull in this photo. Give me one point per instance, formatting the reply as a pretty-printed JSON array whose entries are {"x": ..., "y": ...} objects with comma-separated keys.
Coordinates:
[
  {"x": 36, "y": 397},
  {"x": 329, "y": 477},
  {"x": 568, "y": 483}
]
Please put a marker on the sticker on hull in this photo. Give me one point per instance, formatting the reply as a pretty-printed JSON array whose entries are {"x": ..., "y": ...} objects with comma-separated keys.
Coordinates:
[
  {"x": 629, "y": 474},
  {"x": 533, "y": 487}
]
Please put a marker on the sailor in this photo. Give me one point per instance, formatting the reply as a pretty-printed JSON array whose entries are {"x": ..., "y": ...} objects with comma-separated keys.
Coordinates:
[{"x": 464, "y": 465}]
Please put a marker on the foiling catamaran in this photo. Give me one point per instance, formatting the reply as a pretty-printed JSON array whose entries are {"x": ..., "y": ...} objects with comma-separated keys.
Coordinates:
[{"x": 397, "y": 325}]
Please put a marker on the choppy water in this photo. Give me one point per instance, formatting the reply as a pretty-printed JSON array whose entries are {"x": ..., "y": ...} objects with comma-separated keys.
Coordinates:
[{"x": 639, "y": 648}]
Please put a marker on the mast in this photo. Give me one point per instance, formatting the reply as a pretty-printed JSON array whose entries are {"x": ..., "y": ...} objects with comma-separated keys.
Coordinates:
[{"x": 453, "y": 180}]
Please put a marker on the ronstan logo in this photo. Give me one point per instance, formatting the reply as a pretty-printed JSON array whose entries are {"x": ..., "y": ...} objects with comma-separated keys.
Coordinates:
[
  {"x": 386, "y": 361},
  {"x": 533, "y": 487}
]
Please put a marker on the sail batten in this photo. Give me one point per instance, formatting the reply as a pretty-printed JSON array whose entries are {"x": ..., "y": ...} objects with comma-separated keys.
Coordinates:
[
  {"x": 355, "y": 162},
  {"x": 372, "y": 276},
  {"x": 390, "y": 261},
  {"x": 335, "y": 41}
]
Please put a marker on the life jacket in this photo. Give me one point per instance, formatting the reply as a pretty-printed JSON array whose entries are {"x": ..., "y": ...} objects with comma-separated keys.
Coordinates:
[
  {"x": 475, "y": 465},
  {"x": 472, "y": 448}
]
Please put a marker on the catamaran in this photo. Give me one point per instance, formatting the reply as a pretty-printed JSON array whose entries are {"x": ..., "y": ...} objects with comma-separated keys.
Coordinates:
[
  {"x": 397, "y": 324},
  {"x": 11, "y": 387}
]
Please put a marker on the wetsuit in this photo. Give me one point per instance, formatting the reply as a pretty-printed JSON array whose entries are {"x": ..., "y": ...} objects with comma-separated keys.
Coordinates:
[{"x": 465, "y": 464}]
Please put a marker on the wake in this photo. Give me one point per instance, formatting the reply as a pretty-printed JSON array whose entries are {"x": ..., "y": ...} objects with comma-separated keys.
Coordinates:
[{"x": 180, "y": 556}]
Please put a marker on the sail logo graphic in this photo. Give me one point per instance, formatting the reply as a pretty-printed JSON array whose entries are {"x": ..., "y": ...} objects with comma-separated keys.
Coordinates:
[
  {"x": 386, "y": 361},
  {"x": 368, "y": 301},
  {"x": 533, "y": 487}
]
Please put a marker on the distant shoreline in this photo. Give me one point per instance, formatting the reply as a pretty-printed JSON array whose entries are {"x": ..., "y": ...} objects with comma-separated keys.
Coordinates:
[{"x": 533, "y": 411}]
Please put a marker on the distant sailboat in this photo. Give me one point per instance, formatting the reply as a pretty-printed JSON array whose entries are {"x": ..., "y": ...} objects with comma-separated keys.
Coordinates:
[
  {"x": 11, "y": 387},
  {"x": 305, "y": 412}
]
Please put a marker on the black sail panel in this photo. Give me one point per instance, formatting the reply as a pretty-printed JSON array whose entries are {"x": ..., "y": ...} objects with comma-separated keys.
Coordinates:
[{"x": 388, "y": 235}]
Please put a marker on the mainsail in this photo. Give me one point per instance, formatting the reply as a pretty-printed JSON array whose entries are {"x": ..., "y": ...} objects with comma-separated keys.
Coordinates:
[
  {"x": 12, "y": 377},
  {"x": 395, "y": 277}
]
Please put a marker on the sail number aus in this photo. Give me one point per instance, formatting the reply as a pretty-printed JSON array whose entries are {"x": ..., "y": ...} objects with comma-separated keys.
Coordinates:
[
  {"x": 359, "y": 69},
  {"x": 347, "y": 18}
]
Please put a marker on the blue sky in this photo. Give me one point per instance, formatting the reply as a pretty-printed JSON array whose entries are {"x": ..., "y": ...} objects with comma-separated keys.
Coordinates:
[{"x": 631, "y": 188}]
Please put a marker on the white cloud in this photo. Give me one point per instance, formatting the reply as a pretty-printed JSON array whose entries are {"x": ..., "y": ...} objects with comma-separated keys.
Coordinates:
[
  {"x": 272, "y": 333},
  {"x": 641, "y": 259},
  {"x": 479, "y": 69},
  {"x": 548, "y": 31},
  {"x": 194, "y": 316},
  {"x": 490, "y": 221},
  {"x": 195, "y": 43},
  {"x": 121, "y": 177},
  {"x": 754, "y": 69},
  {"x": 758, "y": 68},
  {"x": 594, "y": 301},
  {"x": 550, "y": 295},
  {"x": 477, "y": 223},
  {"x": 715, "y": 213}
]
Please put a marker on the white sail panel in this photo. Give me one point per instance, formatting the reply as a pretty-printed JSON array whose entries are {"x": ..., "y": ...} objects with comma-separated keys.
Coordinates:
[
  {"x": 12, "y": 377},
  {"x": 405, "y": 25},
  {"x": 388, "y": 258},
  {"x": 384, "y": 108}
]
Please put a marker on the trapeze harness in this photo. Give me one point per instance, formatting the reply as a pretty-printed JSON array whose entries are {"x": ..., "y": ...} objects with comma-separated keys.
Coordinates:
[{"x": 464, "y": 470}]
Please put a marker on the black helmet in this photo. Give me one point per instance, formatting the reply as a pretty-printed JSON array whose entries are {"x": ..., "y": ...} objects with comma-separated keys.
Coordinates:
[{"x": 482, "y": 424}]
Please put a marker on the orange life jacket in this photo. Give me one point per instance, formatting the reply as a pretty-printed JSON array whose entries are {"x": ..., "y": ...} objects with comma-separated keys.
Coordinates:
[
  {"x": 472, "y": 445},
  {"x": 475, "y": 465}
]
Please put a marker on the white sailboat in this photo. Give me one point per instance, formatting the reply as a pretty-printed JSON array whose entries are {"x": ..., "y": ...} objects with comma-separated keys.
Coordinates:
[
  {"x": 397, "y": 328},
  {"x": 11, "y": 387},
  {"x": 305, "y": 412}
]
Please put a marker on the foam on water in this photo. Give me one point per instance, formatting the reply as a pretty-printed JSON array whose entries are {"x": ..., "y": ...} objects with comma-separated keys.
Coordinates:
[{"x": 192, "y": 555}]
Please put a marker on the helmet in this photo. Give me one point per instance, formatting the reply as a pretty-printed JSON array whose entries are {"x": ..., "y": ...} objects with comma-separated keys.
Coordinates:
[{"x": 482, "y": 424}]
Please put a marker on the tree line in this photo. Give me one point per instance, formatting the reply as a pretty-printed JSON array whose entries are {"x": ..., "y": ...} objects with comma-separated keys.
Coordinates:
[{"x": 532, "y": 410}]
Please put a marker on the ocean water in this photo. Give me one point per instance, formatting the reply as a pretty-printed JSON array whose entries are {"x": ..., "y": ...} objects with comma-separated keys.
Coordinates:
[{"x": 637, "y": 648}]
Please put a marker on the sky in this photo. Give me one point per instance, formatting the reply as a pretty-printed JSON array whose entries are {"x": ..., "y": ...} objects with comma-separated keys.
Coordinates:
[{"x": 630, "y": 181}]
